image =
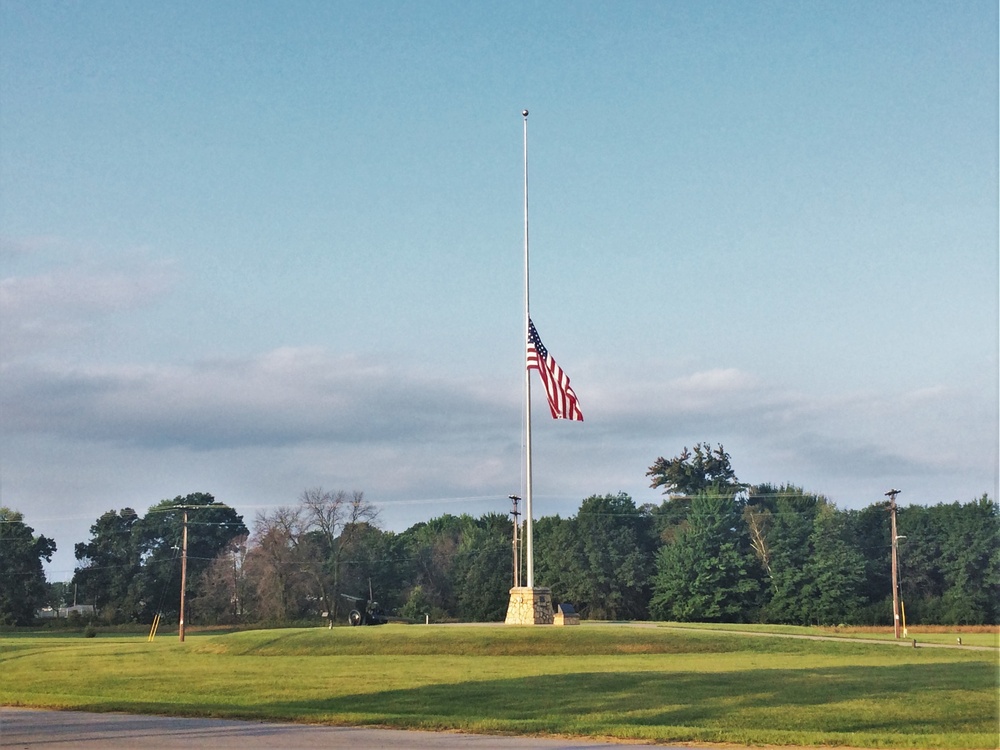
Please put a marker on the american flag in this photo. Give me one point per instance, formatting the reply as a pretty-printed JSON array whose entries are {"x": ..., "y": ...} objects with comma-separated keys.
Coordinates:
[{"x": 562, "y": 399}]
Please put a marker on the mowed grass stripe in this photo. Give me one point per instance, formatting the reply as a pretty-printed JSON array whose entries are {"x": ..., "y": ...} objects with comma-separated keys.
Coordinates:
[
  {"x": 614, "y": 681},
  {"x": 474, "y": 641}
]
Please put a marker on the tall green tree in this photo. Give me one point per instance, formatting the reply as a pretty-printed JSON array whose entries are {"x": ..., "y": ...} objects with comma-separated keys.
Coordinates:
[
  {"x": 834, "y": 571},
  {"x": 611, "y": 558},
  {"x": 921, "y": 580},
  {"x": 484, "y": 569},
  {"x": 108, "y": 575},
  {"x": 788, "y": 544},
  {"x": 948, "y": 563},
  {"x": 555, "y": 547},
  {"x": 375, "y": 562},
  {"x": 708, "y": 573},
  {"x": 870, "y": 534},
  {"x": 459, "y": 567},
  {"x": 970, "y": 563},
  {"x": 211, "y": 528},
  {"x": 669, "y": 517},
  {"x": 705, "y": 470},
  {"x": 22, "y": 582},
  {"x": 433, "y": 547}
]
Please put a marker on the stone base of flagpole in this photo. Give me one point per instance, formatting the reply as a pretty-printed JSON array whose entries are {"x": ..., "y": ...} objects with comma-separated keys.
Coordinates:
[{"x": 529, "y": 606}]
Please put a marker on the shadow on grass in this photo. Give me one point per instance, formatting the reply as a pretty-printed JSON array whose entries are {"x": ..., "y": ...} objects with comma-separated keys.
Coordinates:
[{"x": 891, "y": 701}]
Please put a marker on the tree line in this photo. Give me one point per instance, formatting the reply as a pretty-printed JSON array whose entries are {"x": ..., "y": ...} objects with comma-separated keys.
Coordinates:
[{"x": 714, "y": 550}]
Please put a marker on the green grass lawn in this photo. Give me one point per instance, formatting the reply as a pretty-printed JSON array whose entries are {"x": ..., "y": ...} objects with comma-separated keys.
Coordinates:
[{"x": 618, "y": 681}]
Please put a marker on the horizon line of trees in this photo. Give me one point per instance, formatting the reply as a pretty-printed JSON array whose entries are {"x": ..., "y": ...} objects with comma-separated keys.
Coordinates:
[{"x": 714, "y": 550}]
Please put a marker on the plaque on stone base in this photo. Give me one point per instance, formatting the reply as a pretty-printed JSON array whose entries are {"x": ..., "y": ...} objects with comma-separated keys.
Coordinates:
[{"x": 529, "y": 606}]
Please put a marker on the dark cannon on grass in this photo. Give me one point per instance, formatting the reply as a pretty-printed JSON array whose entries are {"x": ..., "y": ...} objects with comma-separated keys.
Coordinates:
[{"x": 365, "y": 612}]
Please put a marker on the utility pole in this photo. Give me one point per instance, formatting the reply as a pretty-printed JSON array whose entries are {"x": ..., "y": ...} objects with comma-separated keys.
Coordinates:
[
  {"x": 236, "y": 585},
  {"x": 184, "y": 570},
  {"x": 517, "y": 563},
  {"x": 184, "y": 548},
  {"x": 891, "y": 494}
]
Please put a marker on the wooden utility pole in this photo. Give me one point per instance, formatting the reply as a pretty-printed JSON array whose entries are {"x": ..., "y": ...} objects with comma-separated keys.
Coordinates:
[
  {"x": 891, "y": 494},
  {"x": 184, "y": 570},
  {"x": 184, "y": 549}
]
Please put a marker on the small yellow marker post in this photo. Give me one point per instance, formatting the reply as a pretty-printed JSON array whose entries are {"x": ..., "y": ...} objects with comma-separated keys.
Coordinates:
[{"x": 152, "y": 630}]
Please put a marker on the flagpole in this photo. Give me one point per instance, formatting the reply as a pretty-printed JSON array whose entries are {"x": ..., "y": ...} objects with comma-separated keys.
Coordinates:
[{"x": 528, "y": 512}]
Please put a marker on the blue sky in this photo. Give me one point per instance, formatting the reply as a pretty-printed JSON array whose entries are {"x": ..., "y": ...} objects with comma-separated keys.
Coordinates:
[{"x": 250, "y": 248}]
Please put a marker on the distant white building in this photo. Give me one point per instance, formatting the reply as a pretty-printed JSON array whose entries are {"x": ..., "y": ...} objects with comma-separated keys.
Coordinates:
[
  {"x": 63, "y": 613},
  {"x": 83, "y": 610}
]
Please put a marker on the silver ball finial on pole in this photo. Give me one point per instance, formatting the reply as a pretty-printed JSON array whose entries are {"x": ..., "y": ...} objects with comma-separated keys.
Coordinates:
[{"x": 524, "y": 112}]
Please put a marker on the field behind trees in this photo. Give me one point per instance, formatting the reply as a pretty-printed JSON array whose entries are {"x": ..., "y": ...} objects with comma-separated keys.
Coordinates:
[{"x": 644, "y": 683}]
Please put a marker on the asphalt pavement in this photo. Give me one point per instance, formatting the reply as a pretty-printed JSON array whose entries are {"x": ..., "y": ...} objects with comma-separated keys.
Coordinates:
[{"x": 33, "y": 729}]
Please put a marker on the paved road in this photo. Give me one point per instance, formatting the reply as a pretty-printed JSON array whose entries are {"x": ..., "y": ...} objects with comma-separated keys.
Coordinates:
[{"x": 31, "y": 729}]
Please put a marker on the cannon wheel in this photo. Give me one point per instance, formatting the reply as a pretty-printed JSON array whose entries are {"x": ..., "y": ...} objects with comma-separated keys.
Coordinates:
[{"x": 354, "y": 618}]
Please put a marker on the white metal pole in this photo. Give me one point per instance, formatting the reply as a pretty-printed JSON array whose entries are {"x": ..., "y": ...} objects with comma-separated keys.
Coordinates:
[{"x": 528, "y": 509}]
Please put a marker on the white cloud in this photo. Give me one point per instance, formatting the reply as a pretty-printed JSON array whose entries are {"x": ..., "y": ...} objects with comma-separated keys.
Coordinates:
[
  {"x": 431, "y": 426},
  {"x": 257, "y": 430},
  {"x": 940, "y": 440},
  {"x": 46, "y": 308},
  {"x": 288, "y": 396}
]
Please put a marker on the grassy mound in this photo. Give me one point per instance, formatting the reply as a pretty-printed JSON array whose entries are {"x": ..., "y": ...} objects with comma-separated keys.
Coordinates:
[
  {"x": 469, "y": 641},
  {"x": 642, "y": 683}
]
